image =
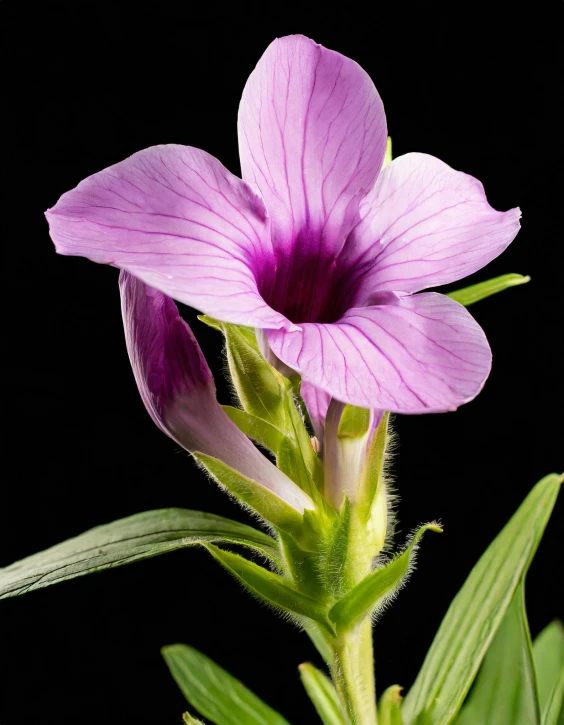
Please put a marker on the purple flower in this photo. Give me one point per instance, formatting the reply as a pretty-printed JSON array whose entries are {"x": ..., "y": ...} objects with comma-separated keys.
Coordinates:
[
  {"x": 178, "y": 390},
  {"x": 315, "y": 247}
]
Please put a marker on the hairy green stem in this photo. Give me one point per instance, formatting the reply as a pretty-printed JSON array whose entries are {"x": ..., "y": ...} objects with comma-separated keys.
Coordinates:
[{"x": 353, "y": 674}]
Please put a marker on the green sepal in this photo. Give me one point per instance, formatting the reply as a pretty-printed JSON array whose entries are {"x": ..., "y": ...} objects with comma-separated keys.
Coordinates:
[
  {"x": 270, "y": 587},
  {"x": 371, "y": 501},
  {"x": 267, "y": 504},
  {"x": 290, "y": 460},
  {"x": 505, "y": 689},
  {"x": 476, "y": 292},
  {"x": 124, "y": 541},
  {"x": 292, "y": 463},
  {"x": 260, "y": 387},
  {"x": 389, "y": 706},
  {"x": 214, "y": 693},
  {"x": 477, "y": 611},
  {"x": 267, "y": 395},
  {"x": 548, "y": 656},
  {"x": 354, "y": 422},
  {"x": 322, "y": 693},
  {"x": 306, "y": 456},
  {"x": 334, "y": 559},
  {"x": 259, "y": 430},
  {"x": 377, "y": 587}
]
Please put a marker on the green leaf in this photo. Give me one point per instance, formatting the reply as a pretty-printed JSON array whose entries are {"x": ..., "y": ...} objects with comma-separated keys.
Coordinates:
[
  {"x": 318, "y": 636},
  {"x": 389, "y": 707},
  {"x": 553, "y": 713},
  {"x": 548, "y": 655},
  {"x": 477, "y": 611},
  {"x": 476, "y": 292},
  {"x": 215, "y": 693},
  {"x": 259, "y": 430},
  {"x": 131, "y": 539},
  {"x": 377, "y": 587},
  {"x": 270, "y": 587},
  {"x": 322, "y": 693},
  {"x": 505, "y": 689},
  {"x": 264, "y": 501}
]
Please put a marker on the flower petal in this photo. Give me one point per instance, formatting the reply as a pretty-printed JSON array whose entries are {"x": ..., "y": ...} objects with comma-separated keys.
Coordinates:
[
  {"x": 414, "y": 354},
  {"x": 312, "y": 136},
  {"x": 317, "y": 402},
  {"x": 177, "y": 388},
  {"x": 177, "y": 219},
  {"x": 165, "y": 356},
  {"x": 423, "y": 224}
]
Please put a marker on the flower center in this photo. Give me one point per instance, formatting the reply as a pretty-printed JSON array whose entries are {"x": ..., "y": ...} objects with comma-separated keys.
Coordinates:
[{"x": 306, "y": 288}]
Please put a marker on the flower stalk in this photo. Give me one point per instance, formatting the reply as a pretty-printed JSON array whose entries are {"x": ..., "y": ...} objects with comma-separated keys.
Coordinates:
[{"x": 353, "y": 674}]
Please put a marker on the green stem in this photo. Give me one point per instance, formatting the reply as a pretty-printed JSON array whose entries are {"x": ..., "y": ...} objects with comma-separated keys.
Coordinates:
[{"x": 353, "y": 674}]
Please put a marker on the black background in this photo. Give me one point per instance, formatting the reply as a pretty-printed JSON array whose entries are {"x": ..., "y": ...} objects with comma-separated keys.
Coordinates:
[{"x": 87, "y": 84}]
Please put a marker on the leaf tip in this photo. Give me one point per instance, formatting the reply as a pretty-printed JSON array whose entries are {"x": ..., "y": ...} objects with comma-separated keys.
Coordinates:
[
  {"x": 437, "y": 528},
  {"x": 211, "y": 322}
]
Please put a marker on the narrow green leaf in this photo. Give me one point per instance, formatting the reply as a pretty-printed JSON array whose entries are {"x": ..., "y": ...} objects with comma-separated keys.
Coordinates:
[
  {"x": 322, "y": 693},
  {"x": 548, "y": 655},
  {"x": 270, "y": 587},
  {"x": 553, "y": 713},
  {"x": 476, "y": 292},
  {"x": 259, "y": 430},
  {"x": 389, "y": 707},
  {"x": 376, "y": 587},
  {"x": 477, "y": 611},
  {"x": 215, "y": 693},
  {"x": 319, "y": 637},
  {"x": 131, "y": 539},
  {"x": 505, "y": 689},
  {"x": 264, "y": 501}
]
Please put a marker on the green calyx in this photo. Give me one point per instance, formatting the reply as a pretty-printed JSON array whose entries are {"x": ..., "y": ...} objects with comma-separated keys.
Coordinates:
[
  {"x": 377, "y": 588},
  {"x": 269, "y": 412},
  {"x": 354, "y": 422}
]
